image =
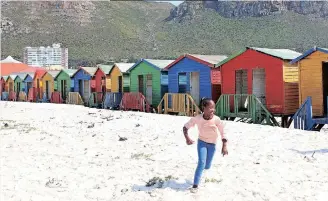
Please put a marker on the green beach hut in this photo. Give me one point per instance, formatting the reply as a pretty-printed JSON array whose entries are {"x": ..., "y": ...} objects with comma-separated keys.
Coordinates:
[
  {"x": 149, "y": 78},
  {"x": 64, "y": 82}
]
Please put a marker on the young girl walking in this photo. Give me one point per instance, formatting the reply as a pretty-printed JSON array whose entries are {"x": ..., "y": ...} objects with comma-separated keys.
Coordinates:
[{"x": 209, "y": 128}]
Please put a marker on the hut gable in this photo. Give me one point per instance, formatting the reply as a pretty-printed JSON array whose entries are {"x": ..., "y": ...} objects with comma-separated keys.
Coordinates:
[
  {"x": 145, "y": 77},
  {"x": 154, "y": 63},
  {"x": 313, "y": 81},
  {"x": 208, "y": 60}
]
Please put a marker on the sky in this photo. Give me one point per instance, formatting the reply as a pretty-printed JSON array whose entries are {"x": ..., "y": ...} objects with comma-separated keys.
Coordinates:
[{"x": 176, "y": 3}]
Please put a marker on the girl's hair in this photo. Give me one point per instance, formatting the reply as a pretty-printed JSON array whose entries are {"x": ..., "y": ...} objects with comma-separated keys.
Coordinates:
[{"x": 204, "y": 102}]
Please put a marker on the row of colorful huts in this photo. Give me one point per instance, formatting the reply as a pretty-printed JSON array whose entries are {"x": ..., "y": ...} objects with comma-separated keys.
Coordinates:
[{"x": 281, "y": 79}]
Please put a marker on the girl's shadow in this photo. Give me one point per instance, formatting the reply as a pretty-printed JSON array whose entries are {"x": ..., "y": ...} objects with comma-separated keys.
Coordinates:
[{"x": 173, "y": 184}]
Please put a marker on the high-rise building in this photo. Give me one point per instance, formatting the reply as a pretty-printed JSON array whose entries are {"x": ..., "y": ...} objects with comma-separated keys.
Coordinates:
[{"x": 46, "y": 56}]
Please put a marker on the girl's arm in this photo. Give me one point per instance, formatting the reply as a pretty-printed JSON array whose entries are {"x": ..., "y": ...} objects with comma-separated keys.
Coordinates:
[
  {"x": 186, "y": 127},
  {"x": 220, "y": 126}
]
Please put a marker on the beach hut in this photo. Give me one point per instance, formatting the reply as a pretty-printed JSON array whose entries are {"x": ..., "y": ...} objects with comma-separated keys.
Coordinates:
[
  {"x": 47, "y": 86},
  {"x": 36, "y": 92},
  {"x": 10, "y": 87},
  {"x": 106, "y": 69},
  {"x": 28, "y": 82},
  {"x": 19, "y": 82},
  {"x": 259, "y": 78},
  {"x": 64, "y": 82},
  {"x": 117, "y": 82},
  {"x": 20, "y": 86},
  {"x": 313, "y": 79},
  {"x": 82, "y": 82},
  {"x": 3, "y": 93},
  {"x": 119, "y": 77},
  {"x": 195, "y": 75},
  {"x": 146, "y": 77}
]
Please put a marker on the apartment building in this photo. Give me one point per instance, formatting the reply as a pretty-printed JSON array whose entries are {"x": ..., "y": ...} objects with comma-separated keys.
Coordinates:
[{"x": 46, "y": 56}]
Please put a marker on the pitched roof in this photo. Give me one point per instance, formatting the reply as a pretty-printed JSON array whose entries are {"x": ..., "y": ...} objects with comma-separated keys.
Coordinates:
[
  {"x": 212, "y": 59},
  {"x": 308, "y": 52},
  {"x": 13, "y": 76},
  {"x": 209, "y": 60},
  {"x": 70, "y": 72},
  {"x": 155, "y": 63},
  {"x": 90, "y": 70},
  {"x": 53, "y": 73},
  {"x": 105, "y": 68},
  {"x": 159, "y": 63},
  {"x": 124, "y": 67},
  {"x": 285, "y": 54},
  {"x": 21, "y": 75}
]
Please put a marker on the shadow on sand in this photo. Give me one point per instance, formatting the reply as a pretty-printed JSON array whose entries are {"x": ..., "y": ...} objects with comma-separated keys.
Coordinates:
[
  {"x": 321, "y": 151},
  {"x": 172, "y": 184}
]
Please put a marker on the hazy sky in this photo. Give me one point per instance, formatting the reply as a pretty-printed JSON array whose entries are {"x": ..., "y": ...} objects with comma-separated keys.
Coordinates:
[{"x": 174, "y": 2}]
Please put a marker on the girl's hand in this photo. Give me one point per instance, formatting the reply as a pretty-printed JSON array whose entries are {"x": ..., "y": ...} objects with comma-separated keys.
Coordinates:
[
  {"x": 189, "y": 141},
  {"x": 224, "y": 150}
]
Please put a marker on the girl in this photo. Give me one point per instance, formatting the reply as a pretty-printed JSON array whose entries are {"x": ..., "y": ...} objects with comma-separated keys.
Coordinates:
[{"x": 209, "y": 127}]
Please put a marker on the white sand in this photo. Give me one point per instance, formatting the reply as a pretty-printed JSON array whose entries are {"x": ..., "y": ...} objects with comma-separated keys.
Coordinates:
[{"x": 49, "y": 153}]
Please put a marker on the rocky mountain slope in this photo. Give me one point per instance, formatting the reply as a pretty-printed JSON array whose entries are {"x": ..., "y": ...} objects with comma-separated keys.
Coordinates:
[{"x": 99, "y": 31}]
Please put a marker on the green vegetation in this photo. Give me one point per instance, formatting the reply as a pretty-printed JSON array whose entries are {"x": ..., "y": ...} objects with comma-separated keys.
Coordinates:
[{"x": 132, "y": 30}]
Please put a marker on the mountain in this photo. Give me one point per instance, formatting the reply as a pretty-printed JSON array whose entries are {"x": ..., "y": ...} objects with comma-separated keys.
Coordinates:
[{"x": 98, "y": 31}]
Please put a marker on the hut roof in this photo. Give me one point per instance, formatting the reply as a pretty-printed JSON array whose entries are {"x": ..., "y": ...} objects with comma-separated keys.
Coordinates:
[
  {"x": 53, "y": 73},
  {"x": 90, "y": 70},
  {"x": 124, "y": 67},
  {"x": 70, "y": 72},
  {"x": 105, "y": 68},
  {"x": 285, "y": 54},
  {"x": 21, "y": 75},
  {"x": 156, "y": 63},
  {"x": 209, "y": 60},
  {"x": 307, "y": 53}
]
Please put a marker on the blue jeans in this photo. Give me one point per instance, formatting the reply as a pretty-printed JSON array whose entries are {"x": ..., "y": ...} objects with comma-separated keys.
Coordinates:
[{"x": 205, "y": 157}]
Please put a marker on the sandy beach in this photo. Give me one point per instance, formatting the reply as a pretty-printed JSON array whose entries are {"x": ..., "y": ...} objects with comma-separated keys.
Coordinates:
[{"x": 65, "y": 152}]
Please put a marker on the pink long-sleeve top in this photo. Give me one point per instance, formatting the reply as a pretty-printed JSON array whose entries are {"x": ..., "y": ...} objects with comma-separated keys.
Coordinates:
[{"x": 209, "y": 130}]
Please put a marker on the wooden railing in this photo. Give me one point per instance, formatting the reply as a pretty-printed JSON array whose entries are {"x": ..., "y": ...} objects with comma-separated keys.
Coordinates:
[
  {"x": 244, "y": 106},
  {"x": 303, "y": 117},
  {"x": 112, "y": 100},
  {"x": 96, "y": 99},
  {"x": 22, "y": 96},
  {"x": 178, "y": 103},
  {"x": 74, "y": 98},
  {"x": 134, "y": 101},
  {"x": 56, "y": 97},
  {"x": 4, "y": 96}
]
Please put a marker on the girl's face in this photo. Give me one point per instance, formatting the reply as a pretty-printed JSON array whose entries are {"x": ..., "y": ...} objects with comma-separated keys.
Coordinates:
[{"x": 210, "y": 108}]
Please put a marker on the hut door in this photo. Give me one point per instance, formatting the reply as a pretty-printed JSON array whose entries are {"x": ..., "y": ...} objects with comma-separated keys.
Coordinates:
[
  {"x": 194, "y": 86},
  {"x": 28, "y": 86},
  {"x": 63, "y": 89},
  {"x": 120, "y": 82},
  {"x": 81, "y": 88},
  {"x": 149, "y": 88},
  {"x": 18, "y": 87},
  {"x": 141, "y": 84},
  {"x": 86, "y": 91},
  {"x": 11, "y": 87},
  {"x": 259, "y": 84},
  {"x": 47, "y": 90},
  {"x": 241, "y": 87},
  {"x": 325, "y": 86}
]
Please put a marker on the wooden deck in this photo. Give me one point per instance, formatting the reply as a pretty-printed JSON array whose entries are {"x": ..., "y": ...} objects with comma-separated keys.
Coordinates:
[{"x": 180, "y": 103}]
